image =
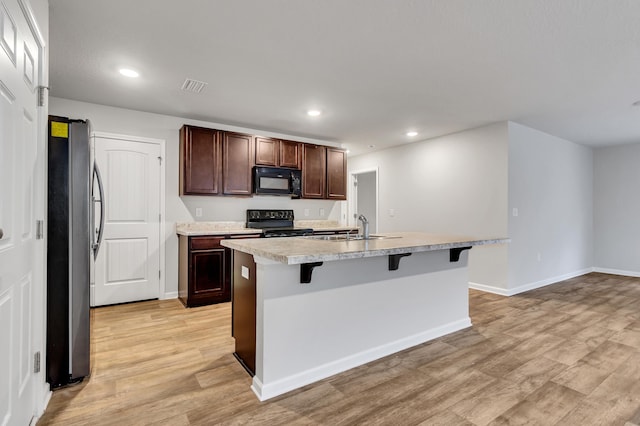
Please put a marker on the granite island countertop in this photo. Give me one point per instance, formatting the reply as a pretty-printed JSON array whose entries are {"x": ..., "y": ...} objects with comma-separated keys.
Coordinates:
[{"x": 298, "y": 250}]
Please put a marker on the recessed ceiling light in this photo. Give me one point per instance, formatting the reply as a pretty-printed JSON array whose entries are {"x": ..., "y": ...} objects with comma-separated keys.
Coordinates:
[
  {"x": 314, "y": 112},
  {"x": 129, "y": 72},
  {"x": 412, "y": 133},
  {"x": 372, "y": 146},
  {"x": 636, "y": 104}
]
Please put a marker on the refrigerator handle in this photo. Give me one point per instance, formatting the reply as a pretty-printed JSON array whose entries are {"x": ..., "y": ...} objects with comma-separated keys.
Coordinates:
[{"x": 99, "y": 231}]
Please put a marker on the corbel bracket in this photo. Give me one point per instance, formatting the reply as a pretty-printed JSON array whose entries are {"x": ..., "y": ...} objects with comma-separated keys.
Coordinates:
[
  {"x": 394, "y": 260},
  {"x": 454, "y": 253},
  {"x": 305, "y": 271}
]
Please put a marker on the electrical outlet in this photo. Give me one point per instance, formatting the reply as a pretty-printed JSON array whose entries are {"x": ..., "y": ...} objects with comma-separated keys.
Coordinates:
[
  {"x": 321, "y": 212},
  {"x": 539, "y": 257},
  {"x": 515, "y": 212},
  {"x": 198, "y": 211},
  {"x": 392, "y": 212},
  {"x": 306, "y": 212}
]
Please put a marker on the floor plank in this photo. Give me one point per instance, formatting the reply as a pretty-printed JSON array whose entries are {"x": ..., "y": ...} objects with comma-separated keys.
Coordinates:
[{"x": 565, "y": 354}]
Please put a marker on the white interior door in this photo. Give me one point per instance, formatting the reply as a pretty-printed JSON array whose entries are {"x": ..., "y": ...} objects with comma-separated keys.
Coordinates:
[
  {"x": 128, "y": 264},
  {"x": 21, "y": 180},
  {"x": 364, "y": 198}
]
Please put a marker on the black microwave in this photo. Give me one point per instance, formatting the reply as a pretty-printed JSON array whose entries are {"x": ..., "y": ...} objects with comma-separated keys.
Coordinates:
[{"x": 277, "y": 181}]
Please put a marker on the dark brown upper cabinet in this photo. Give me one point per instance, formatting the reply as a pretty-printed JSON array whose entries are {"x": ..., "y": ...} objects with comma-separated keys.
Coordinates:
[
  {"x": 314, "y": 163},
  {"x": 200, "y": 161},
  {"x": 237, "y": 162},
  {"x": 277, "y": 153},
  {"x": 336, "y": 174},
  {"x": 290, "y": 154},
  {"x": 216, "y": 162},
  {"x": 267, "y": 151}
]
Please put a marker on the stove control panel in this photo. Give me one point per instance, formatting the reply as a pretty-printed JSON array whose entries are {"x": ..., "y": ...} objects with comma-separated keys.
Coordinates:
[
  {"x": 269, "y": 219},
  {"x": 262, "y": 215}
]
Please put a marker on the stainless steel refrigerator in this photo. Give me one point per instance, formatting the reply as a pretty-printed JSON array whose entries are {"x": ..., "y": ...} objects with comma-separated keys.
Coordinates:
[{"x": 71, "y": 246}]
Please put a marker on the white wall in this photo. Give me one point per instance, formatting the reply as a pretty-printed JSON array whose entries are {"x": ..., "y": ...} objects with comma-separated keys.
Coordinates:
[
  {"x": 470, "y": 182},
  {"x": 455, "y": 184},
  {"x": 551, "y": 185},
  {"x": 617, "y": 209},
  {"x": 182, "y": 209}
]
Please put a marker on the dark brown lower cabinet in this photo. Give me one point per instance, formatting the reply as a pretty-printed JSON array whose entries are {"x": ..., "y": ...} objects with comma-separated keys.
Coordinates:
[
  {"x": 204, "y": 270},
  {"x": 243, "y": 314}
]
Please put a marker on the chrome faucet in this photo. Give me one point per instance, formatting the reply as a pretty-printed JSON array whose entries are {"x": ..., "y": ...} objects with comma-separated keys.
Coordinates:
[{"x": 365, "y": 226}]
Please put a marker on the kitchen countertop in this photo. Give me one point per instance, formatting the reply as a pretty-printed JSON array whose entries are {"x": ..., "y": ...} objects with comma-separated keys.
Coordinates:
[
  {"x": 226, "y": 228},
  {"x": 298, "y": 250},
  {"x": 213, "y": 228}
]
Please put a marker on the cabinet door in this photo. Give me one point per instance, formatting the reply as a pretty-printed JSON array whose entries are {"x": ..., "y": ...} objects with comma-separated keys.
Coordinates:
[
  {"x": 290, "y": 154},
  {"x": 210, "y": 277},
  {"x": 237, "y": 150},
  {"x": 200, "y": 161},
  {"x": 336, "y": 174},
  {"x": 267, "y": 151},
  {"x": 313, "y": 171}
]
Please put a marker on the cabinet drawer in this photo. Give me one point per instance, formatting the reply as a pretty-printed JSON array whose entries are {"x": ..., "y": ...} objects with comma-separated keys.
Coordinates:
[{"x": 204, "y": 243}]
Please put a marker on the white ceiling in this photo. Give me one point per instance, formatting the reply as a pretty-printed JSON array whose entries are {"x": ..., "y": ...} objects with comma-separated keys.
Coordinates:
[{"x": 376, "y": 68}]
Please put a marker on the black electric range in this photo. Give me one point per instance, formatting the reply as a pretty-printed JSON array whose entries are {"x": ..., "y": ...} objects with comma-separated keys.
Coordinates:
[{"x": 275, "y": 223}]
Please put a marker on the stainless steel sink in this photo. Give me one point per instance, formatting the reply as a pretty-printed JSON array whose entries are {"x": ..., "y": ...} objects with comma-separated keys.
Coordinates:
[{"x": 345, "y": 237}]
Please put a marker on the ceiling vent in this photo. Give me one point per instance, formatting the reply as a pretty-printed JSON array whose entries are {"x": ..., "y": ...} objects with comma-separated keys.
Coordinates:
[{"x": 194, "y": 86}]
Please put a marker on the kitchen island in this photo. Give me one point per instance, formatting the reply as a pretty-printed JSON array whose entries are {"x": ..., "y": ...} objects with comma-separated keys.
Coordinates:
[{"x": 306, "y": 308}]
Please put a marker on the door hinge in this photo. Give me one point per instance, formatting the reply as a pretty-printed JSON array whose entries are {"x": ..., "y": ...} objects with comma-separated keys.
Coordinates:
[
  {"x": 159, "y": 274},
  {"x": 160, "y": 159},
  {"x": 36, "y": 362},
  {"x": 41, "y": 95},
  {"x": 39, "y": 229}
]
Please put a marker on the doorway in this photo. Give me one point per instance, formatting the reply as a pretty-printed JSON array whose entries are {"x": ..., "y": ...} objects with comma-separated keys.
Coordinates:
[{"x": 364, "y": 197}]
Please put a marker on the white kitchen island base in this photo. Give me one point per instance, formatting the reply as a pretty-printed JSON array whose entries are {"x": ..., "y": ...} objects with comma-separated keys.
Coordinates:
[{"x": 352, "y": 312}]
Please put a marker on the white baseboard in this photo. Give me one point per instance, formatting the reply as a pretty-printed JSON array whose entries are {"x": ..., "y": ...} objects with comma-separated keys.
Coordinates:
[
  {"x": 634, "y": 274},
  {"x": 489, "y": 289},
  {"x": 270, "y": 390},
  {"x": 529, "y": 286},
  {"x": 169, "y": 295},
  {"x": 46, "y": 395}
]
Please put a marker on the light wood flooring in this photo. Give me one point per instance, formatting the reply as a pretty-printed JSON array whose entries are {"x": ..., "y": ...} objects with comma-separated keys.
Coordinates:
[{"x": 565, "y": 354}]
